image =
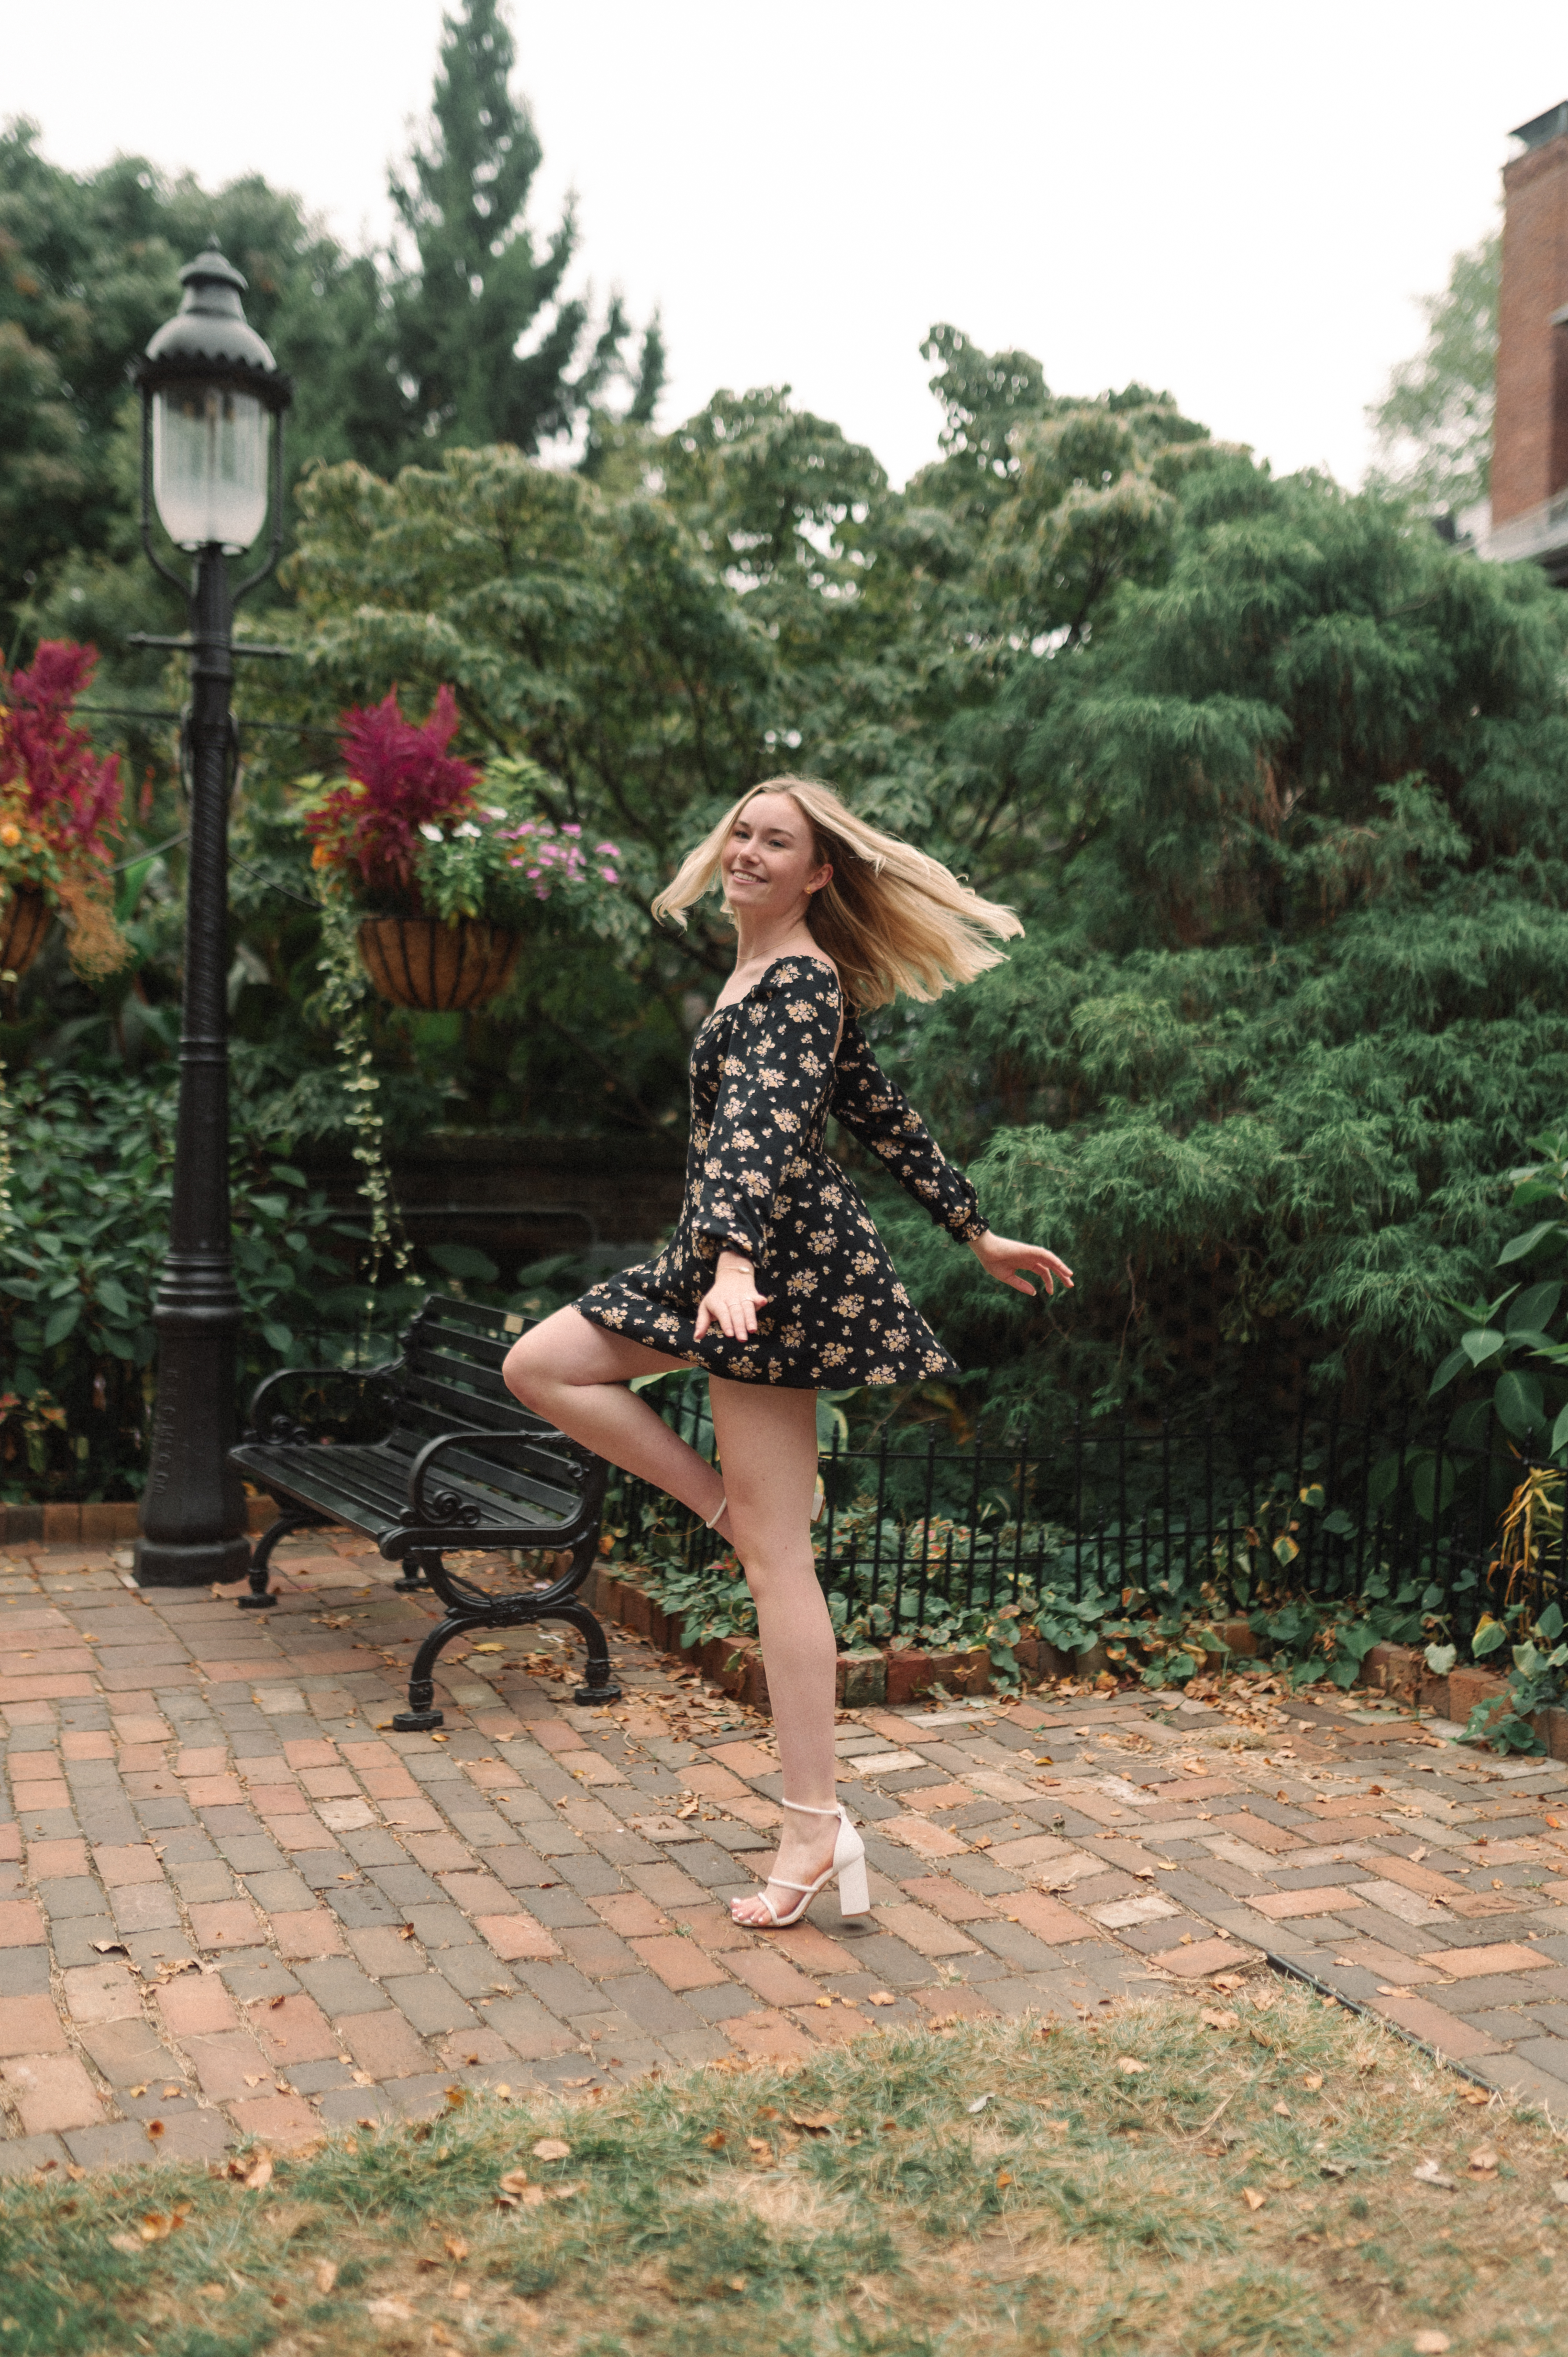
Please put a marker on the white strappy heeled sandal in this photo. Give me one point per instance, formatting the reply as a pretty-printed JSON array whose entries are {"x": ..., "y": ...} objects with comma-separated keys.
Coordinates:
[{"x": 849, "y": 1866}]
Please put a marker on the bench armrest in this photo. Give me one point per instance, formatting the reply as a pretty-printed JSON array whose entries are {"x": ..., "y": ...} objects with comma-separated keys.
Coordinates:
[
  {"x": 430, "y": 1505},
  {"x": 269, "y": 1418}
]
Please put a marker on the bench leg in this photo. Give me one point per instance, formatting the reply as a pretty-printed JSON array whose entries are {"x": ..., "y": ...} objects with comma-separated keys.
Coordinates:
[
  {"x": 599, "y": 1686},
  {"x": 420, "y": 1712},
  {"x": 293, "y": 1518},
  {"x": 414, "y": 1582}
]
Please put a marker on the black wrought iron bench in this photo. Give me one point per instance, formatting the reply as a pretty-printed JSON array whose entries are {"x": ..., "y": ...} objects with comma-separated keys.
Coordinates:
[{"x": 427, "y": 1452}]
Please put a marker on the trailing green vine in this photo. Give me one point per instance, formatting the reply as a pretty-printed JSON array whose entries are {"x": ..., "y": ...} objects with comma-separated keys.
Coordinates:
[
  {"x": 345, "y": 1001},
  {"x": 7, "y": 1163}
]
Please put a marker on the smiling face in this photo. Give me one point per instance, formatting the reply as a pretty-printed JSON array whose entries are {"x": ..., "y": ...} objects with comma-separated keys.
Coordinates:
[{"x": 769, "y": 864}]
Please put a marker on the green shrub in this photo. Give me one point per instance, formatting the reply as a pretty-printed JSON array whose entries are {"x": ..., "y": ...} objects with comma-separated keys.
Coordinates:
[{"x": 82, "y": 1238}]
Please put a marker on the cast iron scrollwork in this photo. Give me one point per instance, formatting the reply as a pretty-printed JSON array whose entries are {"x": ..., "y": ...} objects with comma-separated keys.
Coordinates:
[{"x": 444, "y": 1507}]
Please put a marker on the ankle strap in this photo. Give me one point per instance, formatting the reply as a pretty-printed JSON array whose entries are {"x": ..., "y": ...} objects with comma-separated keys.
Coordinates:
[{"x": 807, "y": 1811}]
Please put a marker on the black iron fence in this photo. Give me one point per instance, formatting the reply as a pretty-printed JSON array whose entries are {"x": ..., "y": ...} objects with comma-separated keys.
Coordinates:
[{"x": 913, "y": 1527}]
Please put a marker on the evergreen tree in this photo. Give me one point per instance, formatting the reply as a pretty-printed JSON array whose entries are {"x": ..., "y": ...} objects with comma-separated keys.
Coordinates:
[
  {"x": 478, "y": 287},
  {"x": 1294, "y": 989}
]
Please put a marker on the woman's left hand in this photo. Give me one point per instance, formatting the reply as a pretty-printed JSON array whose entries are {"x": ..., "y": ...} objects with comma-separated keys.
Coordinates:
[{"x": 1005, "y": 1261}]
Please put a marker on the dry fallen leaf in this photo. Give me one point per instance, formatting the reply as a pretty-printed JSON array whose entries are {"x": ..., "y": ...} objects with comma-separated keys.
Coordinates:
[
  {"x": 881, "y": 1997},
  {"x": 1253, "y": 2200},
  {"x": 397, "y": 2311},
  {"x": 550, "y": 2148},
  {"x": 159, "y": 2224},
  {"x": 1476, "y": 2095},
  {"x": 259, "y": 2172},
  {"x": 1427, "y": 2172},
  {"x": 1313, "y": 2081},
  {"x": 327, "y": 2275},
  {"x": 1213, "y": 2019},
  {"x": 455, "y": 2247},
  {"x": 1482, "y": 2160},
  {"x": 1129, "y": 2068},
  {"x": 1430, "y": 2342},
  {"x": 716, "y": 2142},
  {"x": 130, "y": 2244},
  {"x": 820, "y": 2123}
]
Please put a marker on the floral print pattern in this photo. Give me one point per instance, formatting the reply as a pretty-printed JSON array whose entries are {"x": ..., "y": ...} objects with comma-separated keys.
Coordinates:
[{"x": 765, "y": 1073}]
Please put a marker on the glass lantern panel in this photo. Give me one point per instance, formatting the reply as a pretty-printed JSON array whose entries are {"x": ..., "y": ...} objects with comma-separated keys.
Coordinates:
[{"x": 210, "y": 465}]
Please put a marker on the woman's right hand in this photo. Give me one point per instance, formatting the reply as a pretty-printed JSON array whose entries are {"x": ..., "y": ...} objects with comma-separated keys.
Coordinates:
[{"x": 731, "y": 1301}]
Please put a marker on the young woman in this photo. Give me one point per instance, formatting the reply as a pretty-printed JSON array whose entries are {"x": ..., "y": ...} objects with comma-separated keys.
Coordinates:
[{"x": 775, "y": 1279}]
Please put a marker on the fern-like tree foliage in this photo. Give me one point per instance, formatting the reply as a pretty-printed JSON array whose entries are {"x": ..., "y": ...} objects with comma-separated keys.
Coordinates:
[{"x": 1294, "y": 989}]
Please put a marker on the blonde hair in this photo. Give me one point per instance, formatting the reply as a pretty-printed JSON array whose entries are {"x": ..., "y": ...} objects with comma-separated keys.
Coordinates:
[{"x": 891, "y": 918}]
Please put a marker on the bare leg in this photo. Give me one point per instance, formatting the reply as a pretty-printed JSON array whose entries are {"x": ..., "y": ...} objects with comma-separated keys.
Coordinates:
[
  {"x": 576, "y": 1374},
  {"x": 767, "y": 1445}
]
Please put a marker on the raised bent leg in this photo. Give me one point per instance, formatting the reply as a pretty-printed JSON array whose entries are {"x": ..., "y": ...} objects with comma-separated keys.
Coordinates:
[
  {"x": 768, "y": 1446},
  {"x": 577, "y": 1376}
]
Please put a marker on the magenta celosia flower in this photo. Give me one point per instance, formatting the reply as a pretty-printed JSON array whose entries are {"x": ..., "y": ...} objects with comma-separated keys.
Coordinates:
[
  {"x": 73, "y": 797},
  {"x": 401, "y": 778}
]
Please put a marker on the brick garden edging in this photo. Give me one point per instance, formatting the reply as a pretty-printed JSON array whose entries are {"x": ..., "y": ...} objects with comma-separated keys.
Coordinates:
[
  {"x": 98, "y": 1525},
  {"x": 1401, "y": 1671},
  {"x": 893, "y": 1674}
]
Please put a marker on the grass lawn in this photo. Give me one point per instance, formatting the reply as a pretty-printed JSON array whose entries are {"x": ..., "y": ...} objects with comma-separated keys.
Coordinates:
[{"x": 1208, "y": 2177}]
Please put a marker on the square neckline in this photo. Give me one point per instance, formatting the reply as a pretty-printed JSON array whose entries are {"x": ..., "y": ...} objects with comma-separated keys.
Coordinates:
[{"x": 805, "y": 957}]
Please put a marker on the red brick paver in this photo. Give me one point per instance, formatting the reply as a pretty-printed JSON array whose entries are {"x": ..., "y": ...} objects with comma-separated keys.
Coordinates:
[{"x": 301, "y": 1917}]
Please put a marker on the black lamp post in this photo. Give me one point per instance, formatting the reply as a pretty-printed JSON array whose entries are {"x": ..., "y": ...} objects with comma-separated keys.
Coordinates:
[{"x": 211, "y": 397}]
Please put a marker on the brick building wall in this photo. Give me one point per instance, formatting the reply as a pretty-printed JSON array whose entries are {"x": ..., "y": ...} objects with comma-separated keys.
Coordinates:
[{"x": 1530, "y": 460}]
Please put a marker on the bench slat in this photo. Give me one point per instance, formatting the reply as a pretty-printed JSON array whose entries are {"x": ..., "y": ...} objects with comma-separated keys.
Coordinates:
[
  {"x": 374, "y": 1495},
  {"x": 453, "y": 1402}
]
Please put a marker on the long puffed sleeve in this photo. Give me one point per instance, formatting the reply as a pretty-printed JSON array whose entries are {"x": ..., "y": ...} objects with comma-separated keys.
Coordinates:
[
  {"x": 874, "y": 1109},
  {"x": 773, "y": 1089}
]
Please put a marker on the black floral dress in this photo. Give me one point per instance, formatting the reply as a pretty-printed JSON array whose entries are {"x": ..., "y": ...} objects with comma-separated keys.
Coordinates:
[{"x": 765, "y": 1073}]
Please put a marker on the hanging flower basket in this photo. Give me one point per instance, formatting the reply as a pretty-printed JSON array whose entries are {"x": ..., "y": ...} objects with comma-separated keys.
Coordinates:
[
  {"x": 25, "y": 921},
  {"x": 420, "y": 962}
]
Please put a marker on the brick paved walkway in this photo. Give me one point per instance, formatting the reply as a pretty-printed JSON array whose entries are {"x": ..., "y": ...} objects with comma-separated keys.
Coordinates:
[{"x": 232, "y": 1903}]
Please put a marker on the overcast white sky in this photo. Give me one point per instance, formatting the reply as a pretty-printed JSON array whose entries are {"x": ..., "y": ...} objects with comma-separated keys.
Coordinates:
[{"x": 1236, "y": 201}]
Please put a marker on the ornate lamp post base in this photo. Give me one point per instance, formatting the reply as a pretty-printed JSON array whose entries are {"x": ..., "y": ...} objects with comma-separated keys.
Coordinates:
[{"x": 221, "y": 1560}]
